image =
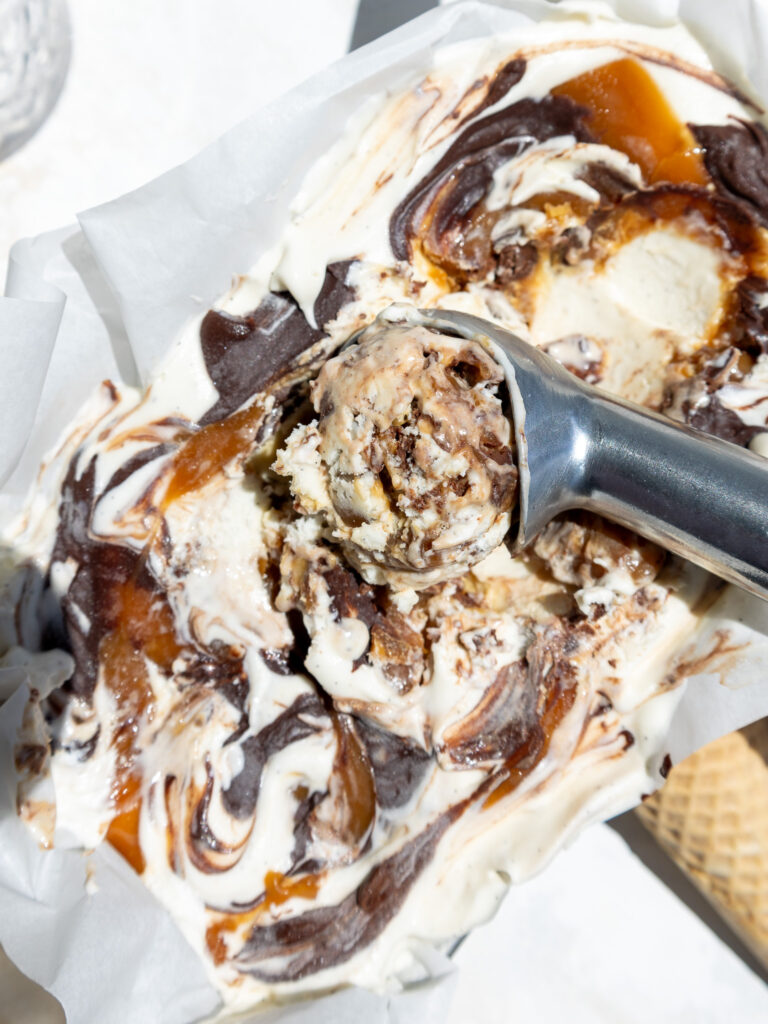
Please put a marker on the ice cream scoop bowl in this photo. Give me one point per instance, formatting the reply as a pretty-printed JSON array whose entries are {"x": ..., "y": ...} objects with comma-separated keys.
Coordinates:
[{"x": 581, "y": 448}]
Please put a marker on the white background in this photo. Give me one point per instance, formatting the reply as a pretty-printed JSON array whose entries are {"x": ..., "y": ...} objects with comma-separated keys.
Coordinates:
[{"x": 597, "y": 938}]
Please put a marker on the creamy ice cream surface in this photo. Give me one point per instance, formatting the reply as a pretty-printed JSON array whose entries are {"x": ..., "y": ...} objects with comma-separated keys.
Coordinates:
[{"x": 282, "y": 659}]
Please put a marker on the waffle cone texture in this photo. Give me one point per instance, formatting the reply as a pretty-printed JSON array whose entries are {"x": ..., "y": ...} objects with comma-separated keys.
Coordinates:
[{"x": 711, "y": 816}]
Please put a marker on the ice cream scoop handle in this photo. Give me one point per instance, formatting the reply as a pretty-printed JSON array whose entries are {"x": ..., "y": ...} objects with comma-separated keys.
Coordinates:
[{"x": 699, "y": 496}]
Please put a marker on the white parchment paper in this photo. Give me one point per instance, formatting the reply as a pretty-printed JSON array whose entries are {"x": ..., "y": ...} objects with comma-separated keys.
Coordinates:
[{"x": 107, "y": 300}]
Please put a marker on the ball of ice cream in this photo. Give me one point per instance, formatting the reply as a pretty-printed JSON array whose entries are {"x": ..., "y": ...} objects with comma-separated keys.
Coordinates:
[{"x": 410, "y": 462}]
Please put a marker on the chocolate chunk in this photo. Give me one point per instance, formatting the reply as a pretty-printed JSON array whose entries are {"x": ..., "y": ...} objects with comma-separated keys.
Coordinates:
[
  {"x": 398, "y": 649},
  {"x": 516, "y": 262},
  {"x": 748, "y": 322},
  {"x": 715, "y": 418},
  {"x": 335, "y": 293},
  {"x": 610, "y": 183},
  {"x": 351, "y": 598},
  {"x": 695, "y": 400},
  {"x": 301, "y": 640},
  {"x": 736, "y": 157},
  {"x": 393, "y": 645}
]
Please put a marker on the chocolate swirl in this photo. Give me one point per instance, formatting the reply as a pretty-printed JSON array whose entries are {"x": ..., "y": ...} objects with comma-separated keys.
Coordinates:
[
  {"x": 296, "y": 722},
  {"x": 463, "y": 175},
  {"x": 736, "y": 157},
  {"x": 245, "y": 354},
  {"x": 298, "y": 946}
]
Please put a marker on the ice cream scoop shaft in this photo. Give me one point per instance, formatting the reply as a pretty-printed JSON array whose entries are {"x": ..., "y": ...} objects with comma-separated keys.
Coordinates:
[{"x": 696, "y": 495}]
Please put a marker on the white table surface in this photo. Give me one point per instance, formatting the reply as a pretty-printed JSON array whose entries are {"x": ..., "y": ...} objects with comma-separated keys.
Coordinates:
[{"x": 596, "y": 939}]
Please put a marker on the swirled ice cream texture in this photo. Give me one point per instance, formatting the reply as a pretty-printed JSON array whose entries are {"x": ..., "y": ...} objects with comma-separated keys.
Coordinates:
[
  {"x": 410, "y": 461},
  {"x": 316, "y": 772}
]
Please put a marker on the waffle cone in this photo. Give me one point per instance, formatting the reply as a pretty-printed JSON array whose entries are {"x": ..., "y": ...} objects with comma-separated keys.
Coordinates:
[{"x": 711, "y": 816}]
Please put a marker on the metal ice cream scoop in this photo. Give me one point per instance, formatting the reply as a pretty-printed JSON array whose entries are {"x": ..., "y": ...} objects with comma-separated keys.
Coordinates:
[{"x": 577, "y": 447}]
